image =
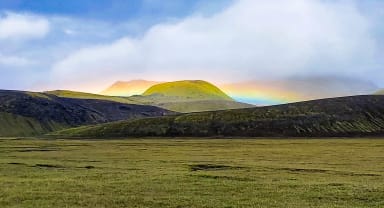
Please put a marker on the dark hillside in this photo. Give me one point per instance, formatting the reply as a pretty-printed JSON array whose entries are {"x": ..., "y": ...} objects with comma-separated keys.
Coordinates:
[
  {"x": 344, "y": 116},
  {"x": 29, "y": 113}
]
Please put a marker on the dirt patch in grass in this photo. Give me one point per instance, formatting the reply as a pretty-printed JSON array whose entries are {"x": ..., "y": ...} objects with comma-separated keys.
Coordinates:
[
  {"x": 363, "y": 174},
  {"x": 16, "y": 163},
  {"x": 60, "y": 166},
  {"x": 311, "y": 170},
  {"x": 48, "y": 166},
  {"x": 336, "y": 184},
  {"x": 38, "y": 150},
  {"x": 308, "y": 170},
  {"x": 197, "y": 167},
  {"x": 233, "y": 178},
  {"x": 75, "y": 145}
]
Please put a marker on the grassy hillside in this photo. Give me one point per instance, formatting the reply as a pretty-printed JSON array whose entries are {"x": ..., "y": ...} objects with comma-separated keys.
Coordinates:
[
  {"x": 345, "y": 116},
  {"x": 16, "y": 125},
  {"x": 188, "y": 90},
  {"x": 83, "y": 95},
  {"x": 31, "y": 113},
  {"x": 182, "y": 104},
  {"x": 203, "y": 105}
]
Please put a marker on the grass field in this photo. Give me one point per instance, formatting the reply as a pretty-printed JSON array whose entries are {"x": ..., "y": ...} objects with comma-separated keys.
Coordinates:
[{"x": 192, "y": 173}]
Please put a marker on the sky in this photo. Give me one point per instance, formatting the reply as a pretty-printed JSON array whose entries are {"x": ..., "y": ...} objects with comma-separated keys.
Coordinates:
[{"x": 89, "y": 44}]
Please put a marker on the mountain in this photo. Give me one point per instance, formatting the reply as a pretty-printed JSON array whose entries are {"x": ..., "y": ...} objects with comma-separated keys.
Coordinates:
[
  {"x": 177, "y": 104},
  {"x": 188, "y": 96},
  {"x": 278, "y": 91},
  {"x": 188, "y": 90},
  {"x": 344, "y": 116},
  {"x": 32, "y": 113},
  {"x": 129, "y": 88}
]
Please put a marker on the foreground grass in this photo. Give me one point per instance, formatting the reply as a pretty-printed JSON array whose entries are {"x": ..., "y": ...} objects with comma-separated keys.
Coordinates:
[{"x": 192, "y": 173}]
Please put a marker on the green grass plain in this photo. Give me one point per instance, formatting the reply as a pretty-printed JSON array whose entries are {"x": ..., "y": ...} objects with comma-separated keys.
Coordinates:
[{"x": 192, "y": 173}]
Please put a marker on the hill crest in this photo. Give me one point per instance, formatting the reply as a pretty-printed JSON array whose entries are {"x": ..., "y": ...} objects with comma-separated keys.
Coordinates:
[{"x": 189, "y": 90}]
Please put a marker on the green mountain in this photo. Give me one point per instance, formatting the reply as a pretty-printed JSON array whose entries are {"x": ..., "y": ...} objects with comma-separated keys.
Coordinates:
[
  {"x": 178, "y": 104},
  {"x": 344, "y": 116},
  {"x": 32, "y": 113},
  {"x": 188, "y": 90},
  {"x": 188, "y": 96}
]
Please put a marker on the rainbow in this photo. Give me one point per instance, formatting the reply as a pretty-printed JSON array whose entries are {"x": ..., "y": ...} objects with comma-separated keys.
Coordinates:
[{"x": 260, "y": 95}]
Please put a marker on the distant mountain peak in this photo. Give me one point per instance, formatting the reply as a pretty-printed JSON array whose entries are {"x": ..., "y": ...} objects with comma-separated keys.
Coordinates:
[{"x": 128, "y": 88}]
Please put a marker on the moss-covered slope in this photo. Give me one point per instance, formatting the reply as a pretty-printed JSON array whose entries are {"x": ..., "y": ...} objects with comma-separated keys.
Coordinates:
[{"x": 345, "y": 116}]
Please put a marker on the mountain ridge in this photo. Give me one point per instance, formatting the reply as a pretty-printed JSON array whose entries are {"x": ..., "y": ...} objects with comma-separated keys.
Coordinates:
[
  {"x": 333, "y": 117},
  {"x": 177, "y": 104}
]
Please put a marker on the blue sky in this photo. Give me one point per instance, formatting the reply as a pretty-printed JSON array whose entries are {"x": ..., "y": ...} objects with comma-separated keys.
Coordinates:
[
  {"x": 84, "y": 8},
  {"x": 115, "y": 10},
  {"x": 88, "y": 44}
]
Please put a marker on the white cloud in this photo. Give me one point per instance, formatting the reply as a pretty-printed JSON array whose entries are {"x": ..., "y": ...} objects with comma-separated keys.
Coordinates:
[
  {"x": 251, "y": 39},
  {"x": 16, "y": 26},
  {"x": 14, "y": 61}
]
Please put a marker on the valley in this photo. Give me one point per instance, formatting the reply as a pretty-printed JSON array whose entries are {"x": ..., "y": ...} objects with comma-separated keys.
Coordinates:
[{"x": 191, "y": 104}]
